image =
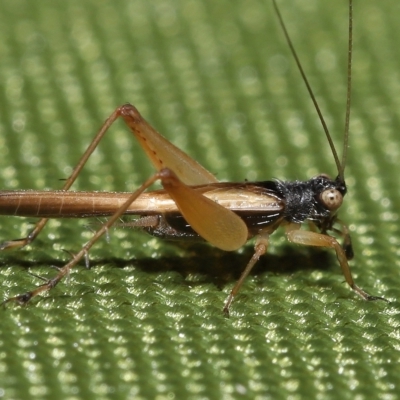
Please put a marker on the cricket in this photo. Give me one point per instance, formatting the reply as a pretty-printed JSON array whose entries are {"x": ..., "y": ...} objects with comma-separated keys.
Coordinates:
[{"x": 194, "y": 205}]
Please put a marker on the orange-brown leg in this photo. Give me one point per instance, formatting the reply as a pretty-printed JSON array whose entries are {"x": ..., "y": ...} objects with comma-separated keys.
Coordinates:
[
  {"x": 320, "y": 240},
  {"x": 346, "y": 244},
  {"x": 260, "y": 248},
  {"x": 161, "y": 152},
  {"x": 213, "y": 222},
  {"x": 64, "y": 271},
  {"x": 68, "y": 183}
]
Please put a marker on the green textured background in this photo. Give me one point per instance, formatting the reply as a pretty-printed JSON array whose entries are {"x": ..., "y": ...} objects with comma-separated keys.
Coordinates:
[{"x": 216, "y": 78}]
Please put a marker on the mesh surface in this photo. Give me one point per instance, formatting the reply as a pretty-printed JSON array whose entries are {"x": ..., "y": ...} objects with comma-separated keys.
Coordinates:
[{"x": 217, "y": 79}]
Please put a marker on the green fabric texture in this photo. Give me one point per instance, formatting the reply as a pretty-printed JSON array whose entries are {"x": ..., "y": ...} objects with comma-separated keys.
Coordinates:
[{"x": 217, "y": 79}]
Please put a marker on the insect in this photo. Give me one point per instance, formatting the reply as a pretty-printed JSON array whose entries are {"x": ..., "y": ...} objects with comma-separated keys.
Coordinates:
[{"x": 194, "y": 205}]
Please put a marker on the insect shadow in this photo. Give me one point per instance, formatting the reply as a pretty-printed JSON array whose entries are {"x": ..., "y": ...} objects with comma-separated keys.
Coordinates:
[{"x": 213, "y": 265}]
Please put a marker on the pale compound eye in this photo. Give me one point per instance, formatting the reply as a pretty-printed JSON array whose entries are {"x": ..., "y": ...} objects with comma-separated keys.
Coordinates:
[{"x": 332, "y": 199}]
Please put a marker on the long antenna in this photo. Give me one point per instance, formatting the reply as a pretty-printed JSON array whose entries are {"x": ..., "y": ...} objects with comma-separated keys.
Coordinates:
[
  {"x": 348, "y": 97},
  {"x": 340, "y": 166}
]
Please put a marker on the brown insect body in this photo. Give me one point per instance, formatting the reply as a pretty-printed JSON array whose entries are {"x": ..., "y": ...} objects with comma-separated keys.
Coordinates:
[
  {"x": 259, "y": 204},
  {"x": 71, "y": 204}
]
